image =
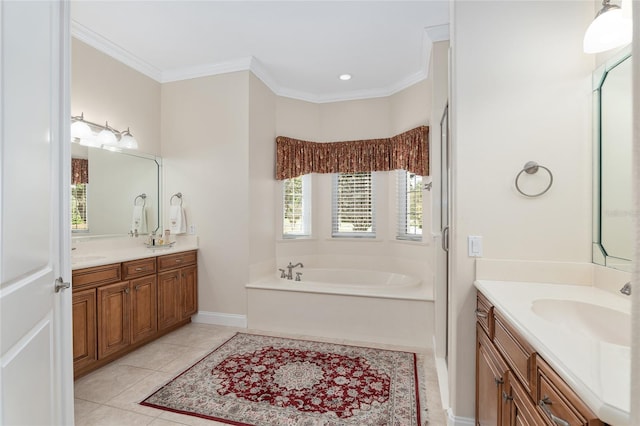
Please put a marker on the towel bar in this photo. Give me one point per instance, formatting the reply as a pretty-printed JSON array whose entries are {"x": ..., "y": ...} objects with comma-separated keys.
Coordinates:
[
  {"x": 143, "y": 197},
  {"x": 176, "y": 195}
]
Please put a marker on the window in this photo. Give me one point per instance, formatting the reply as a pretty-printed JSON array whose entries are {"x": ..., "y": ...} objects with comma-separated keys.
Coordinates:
[
  {"x": 409, "y": 206},
  {"x": 353, "y": 205},
  {"x": 79, "y": 207},
  {"x": 296, "y": 204}
]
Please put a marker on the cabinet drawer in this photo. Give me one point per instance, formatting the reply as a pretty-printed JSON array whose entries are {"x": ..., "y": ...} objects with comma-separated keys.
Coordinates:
[
  {"x": 484, "y": 315},
  {"x": 171, "y": 261},
  {"x": 515, "y": 350},
  {"x": 138, "y": 268},
  {"x": 555, "y": 398},
  {"x": 97, "y": 275}
]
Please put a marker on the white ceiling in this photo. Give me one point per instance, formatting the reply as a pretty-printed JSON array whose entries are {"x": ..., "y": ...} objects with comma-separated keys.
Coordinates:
[{"x": 298, "y": 48}]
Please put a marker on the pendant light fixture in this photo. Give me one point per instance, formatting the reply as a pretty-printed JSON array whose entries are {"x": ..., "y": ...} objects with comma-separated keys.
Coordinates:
[{"x": 611, "y": 28}]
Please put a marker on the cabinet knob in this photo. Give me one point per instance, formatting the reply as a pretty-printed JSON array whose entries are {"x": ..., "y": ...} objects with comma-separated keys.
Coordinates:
[
  {"x": 126, "y": 290},
  {"x": 498, "y": 381},
  {"x": 506, "y": 397},
  {"x": 545, "y": 403},
  {"x": 139, "y": 269},
  {"x": 178, "y": 260},
  {"x": 480, "y": 314},
  {"x": 138, "y": 287}
]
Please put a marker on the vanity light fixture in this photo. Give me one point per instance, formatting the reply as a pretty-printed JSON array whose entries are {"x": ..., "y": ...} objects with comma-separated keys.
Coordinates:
[
  {"x": 611, "y": 28},
  {"x": 84, "y": 132},
  {"x": 345, "y": 77}
]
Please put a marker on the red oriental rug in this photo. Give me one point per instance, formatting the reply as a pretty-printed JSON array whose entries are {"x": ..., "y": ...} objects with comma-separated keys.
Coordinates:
[{"x": 261, "y": 380}]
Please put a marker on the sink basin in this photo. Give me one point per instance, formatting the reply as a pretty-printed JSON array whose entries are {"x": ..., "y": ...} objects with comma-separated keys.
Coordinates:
[
  {"x": 598, "y": 322},
  {"x": 80, "y": 259}
]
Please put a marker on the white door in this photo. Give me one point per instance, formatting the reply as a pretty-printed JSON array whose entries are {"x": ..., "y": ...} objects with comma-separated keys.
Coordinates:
[{"x": 36, "y": 368}]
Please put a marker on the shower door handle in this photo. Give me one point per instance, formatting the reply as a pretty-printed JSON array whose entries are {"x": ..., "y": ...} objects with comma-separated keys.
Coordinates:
[{"x": 445, "y": 239}]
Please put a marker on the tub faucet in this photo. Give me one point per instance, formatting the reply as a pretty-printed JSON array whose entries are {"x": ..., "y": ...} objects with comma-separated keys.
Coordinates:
[
  {"x": 626, "y": 289},
  {"x": 290, "y": 267}
]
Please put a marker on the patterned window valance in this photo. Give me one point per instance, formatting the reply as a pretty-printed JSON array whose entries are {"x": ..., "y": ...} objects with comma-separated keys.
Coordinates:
[
  {"x": 79, "y": 171},
  {"x": 408, "y": 151}
]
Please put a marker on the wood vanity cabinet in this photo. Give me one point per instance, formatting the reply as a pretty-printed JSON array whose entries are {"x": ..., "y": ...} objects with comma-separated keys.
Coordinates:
[
  {"x": 177, "y": 288},
  {"x": 116, "y": 307},
  {"x": 514, "y": 385}
]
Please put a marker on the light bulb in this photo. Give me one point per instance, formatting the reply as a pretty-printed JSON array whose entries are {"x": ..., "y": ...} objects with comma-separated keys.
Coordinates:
[
  {"x": 609, "y": 30},
  {"x": 128, "y": 141},
  {"x": 80, "y": 130},
  {"x": 106, "y": 137}
]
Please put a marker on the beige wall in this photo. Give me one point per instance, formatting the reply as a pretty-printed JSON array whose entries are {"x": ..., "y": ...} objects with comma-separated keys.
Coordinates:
[
  {"x": 262, "y": 184},
  {"x": 107, "y": 90},
  {"x": 205, "y": 147},
  {"x": 521, "y": 91}
]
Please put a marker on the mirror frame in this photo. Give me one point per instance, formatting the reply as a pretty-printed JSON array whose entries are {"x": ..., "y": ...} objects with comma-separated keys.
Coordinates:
[{"x": 598, "y": 253}]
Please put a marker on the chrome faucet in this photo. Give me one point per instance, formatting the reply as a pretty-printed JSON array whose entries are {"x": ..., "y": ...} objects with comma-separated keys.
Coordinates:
[
  {"x": 290, "y": 267},
  {"x": 626, "y": 289}
]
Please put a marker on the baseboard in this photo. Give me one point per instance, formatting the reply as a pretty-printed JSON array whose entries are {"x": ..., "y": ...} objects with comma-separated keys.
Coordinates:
[
  {"x": 458, "y": 421},
  {"x": 443, "y": 381},
  {"x": 218, "y": 318}
]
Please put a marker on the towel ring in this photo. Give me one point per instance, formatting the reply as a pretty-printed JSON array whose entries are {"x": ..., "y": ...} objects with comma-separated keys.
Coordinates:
[
  {"x": 531, "y": 167},
  {"x": 143, "y": 197},
  {"x": 176, "y": 195}
]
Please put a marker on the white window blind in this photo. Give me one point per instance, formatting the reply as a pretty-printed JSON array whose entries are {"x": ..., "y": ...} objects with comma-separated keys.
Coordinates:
[
  {"x": 353, "y": 205},
  {"x": 296, "y": 203},
  {"x": 409, "y": 206},
  {"x": 79, "y": 220}
]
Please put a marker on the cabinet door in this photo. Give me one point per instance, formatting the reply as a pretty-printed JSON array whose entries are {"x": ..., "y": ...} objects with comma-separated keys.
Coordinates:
[
  {"x": 114, "y": 329},
  {"x": 144, "y": 321},
  {"x": 168, "y": 298},
  {"x": 189, "y": 291},
  {"x": 490, "y": 378},
  {"x": 84, "y": 328},
  {"x": 522, "y": 411}
]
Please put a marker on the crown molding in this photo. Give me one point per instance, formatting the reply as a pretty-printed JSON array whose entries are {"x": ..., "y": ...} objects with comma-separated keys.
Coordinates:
[
  {"x": 242, "y": 64},
  {"x": 109, "y": 48},
  {"x": 252, "y": 64}
]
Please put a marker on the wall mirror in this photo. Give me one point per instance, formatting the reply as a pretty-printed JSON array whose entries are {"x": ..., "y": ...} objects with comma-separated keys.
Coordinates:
[
  {"x": 115, "y": 182},
  {"x": 612, "y": 197}
]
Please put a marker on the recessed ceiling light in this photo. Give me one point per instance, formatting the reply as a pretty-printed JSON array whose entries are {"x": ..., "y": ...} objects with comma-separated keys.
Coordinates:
[{"x": 345, "y": 77}]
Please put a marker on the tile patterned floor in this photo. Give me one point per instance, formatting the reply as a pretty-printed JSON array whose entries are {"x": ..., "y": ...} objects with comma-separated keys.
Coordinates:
[{"x": 110, "y": 395}]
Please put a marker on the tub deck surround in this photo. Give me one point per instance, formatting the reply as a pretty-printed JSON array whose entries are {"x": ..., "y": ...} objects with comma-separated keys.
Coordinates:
[
  {"x": 370, "y": 306},
  {"x": 599, "y": 372},
  {"x": 103, "y": 251},
  {"x": 351, "y": 282}
]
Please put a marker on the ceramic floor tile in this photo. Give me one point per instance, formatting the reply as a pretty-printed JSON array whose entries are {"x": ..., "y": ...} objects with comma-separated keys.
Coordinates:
[
  {"x": 163, "y": 422},
  {"x": 82, "y": 407},
  {"x": 153, "y": 356},
  {"x": 110, "y": 416},
  {"x": 107, "y": 382},
  {"x": 130, "y": 398},
  {"x": 197, "y": 336},
  {"x": 189, "y": 357}
]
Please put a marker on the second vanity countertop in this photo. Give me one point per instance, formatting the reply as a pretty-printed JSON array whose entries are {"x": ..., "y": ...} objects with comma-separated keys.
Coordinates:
[
  {"x": 116, "y": 250},
  {"x": 598, "y": 371}
]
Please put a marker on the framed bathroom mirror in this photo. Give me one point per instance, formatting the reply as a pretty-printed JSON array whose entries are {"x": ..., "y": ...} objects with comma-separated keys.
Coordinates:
[
  {"x": 115, "y": 183},
  {"x": 612, "y": 197}
]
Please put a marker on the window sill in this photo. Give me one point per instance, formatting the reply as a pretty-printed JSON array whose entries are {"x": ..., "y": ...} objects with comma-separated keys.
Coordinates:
[
  {"x": 293, "y": 240},
  {"x": 356, "y": 239}
]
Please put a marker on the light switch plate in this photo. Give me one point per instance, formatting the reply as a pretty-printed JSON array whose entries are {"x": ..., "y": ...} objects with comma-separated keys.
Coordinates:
[{"x": 475, "y": 246}]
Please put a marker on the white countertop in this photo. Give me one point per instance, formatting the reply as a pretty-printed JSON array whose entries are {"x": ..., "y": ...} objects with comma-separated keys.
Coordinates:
[
  {"x": 116, "y": 250},
  {"x": 599, "y": 372}
]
